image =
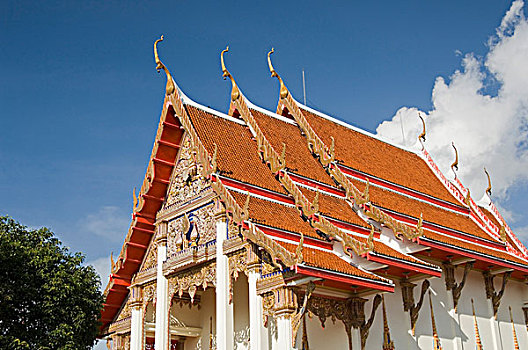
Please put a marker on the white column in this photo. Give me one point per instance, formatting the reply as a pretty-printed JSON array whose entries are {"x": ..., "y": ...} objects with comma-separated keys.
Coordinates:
[
  {"x": 224, "y": 310},
  {"x": 255, "y": 312},
  {"x": 494, "y": 325},
  {"x": 136, "y": 322},
  {"x": 283, "y": 341},
  {"x": 162, "y": 291}
]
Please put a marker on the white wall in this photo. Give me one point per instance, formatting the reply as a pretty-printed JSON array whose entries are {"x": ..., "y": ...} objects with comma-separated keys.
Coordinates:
[{"x": 241, "y": 312}]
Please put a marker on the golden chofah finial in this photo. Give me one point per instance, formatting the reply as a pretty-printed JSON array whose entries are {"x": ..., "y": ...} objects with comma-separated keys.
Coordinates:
[
  {"x": 488, "y": 190},
  {"x": 454, "y": 166},
  {"x": 283, "y": 89},
  {"x": 159, "y": 65},
  {"x": 235, "y": 92},
  {"x": 422, "y": 135}
]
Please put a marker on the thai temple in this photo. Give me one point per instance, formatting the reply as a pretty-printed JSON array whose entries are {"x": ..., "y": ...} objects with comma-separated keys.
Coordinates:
[{"x": 291, "y": 229}]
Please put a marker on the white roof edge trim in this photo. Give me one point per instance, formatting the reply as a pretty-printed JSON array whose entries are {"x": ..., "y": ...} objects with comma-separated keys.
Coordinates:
[
  {"x": 355, "y": 128},
  {"x": 251, "y": 105},
  {"x": 187, "y": 101}
]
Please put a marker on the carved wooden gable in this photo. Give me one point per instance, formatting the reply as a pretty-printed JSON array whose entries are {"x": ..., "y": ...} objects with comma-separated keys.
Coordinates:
[{"x": 187, "y": 181}]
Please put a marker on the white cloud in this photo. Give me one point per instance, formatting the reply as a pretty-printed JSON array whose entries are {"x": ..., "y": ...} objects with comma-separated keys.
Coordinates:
[
  {"x": 522, "y": 233},
  {"x": 109, "y": 222},
  {"x": 102, "y": 267},
  {"x": 489, "y": 130}
]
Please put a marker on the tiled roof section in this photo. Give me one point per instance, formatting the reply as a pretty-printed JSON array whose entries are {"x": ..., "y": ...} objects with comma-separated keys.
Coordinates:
[
  {"x": 377, "y": 158},
  {"x": 411, "y": 207},
  {"x": 334, "y": 207},
  {"x": 490, "y": 216},
  {"x": 275, "y": 215},
  {"x": 328, "y": 261},
  {"x": 237, "y": 156},
  {"x": 496, "y": 223},
  {"x": 473, "y": 247},
  {"x": 298, "y": 157}
]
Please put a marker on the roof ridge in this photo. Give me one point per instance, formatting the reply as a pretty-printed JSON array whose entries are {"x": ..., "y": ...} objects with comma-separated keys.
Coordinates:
[{"x": 354, "y": 128}]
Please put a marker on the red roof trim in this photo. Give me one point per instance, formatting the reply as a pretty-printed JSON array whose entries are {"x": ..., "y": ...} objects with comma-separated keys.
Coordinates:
[
  {"x": 401, "y": 189},
  {"x": 470, "y": 254},
  {"x": 142, "y": 227},
  {"x": 343, "y": 278},
  {"x": 275, "y": 232},
  {"x": 404, "y": 264},
  {"x": 444, "y": 229}
]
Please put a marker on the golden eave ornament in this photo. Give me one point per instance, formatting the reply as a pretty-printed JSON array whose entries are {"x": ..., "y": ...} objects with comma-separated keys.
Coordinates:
[
  {"x": 159, "y": 65},
  {"x": 235, "y": 92},
  {"x": 283, "y": 89},
  {"x": 454, "y": 166},
  {"x": 488, "y": 190},
  {"x": 421, "y": 137}
]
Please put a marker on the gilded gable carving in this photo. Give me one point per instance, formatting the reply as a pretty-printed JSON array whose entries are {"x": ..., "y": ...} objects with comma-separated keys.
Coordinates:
[
  {"x": 191, "y": 229},
  {"x": 125, "y": 312},
  {"x": 187, "y": 179},
  {"x": 152, "y": 257}
]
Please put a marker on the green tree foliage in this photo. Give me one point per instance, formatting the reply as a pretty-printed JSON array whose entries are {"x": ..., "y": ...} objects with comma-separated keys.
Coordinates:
[{"x": 48, "y": 298}]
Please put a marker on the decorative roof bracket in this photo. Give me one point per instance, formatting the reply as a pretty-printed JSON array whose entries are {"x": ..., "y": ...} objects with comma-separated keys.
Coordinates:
[
  {"x": 455, "y": 288},
  {"x": 365, "y": 327},
  {"x": 490, "y": 289},
  {"x": 408, "y": 299}
]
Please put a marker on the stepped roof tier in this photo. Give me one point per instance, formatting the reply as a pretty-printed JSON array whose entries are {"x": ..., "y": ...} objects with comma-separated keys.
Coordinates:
[{"x": 322, "y": 198}]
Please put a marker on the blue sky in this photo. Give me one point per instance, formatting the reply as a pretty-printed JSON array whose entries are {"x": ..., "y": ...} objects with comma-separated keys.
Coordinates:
[{"x": 80, "y": 97}]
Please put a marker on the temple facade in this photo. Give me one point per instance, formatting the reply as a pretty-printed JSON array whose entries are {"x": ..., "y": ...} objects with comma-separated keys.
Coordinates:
[{"x": 294, "y": 230}]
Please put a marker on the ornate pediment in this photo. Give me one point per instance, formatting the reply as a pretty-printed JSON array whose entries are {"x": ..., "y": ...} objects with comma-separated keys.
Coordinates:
[
  {"x": 193, "y": 228},
  {"x": 187, "y": 181}
]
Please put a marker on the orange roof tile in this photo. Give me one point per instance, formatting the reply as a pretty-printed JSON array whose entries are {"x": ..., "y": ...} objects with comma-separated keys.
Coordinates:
[
  {"x": 377, "y": 158},
  {"x": 299, "y": 159},
  {"x": 275, "y": 215},
  {"x": 473, "y": 247},
  {"x": 237, "y": 156},
  {"x": 328, "y": 261},
  {"x": 412, "y": 207},
  {"x": 334, "y": 207}
]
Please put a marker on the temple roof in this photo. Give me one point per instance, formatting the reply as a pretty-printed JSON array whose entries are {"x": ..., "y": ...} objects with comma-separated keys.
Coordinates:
[{"x": 351, "y": 202}]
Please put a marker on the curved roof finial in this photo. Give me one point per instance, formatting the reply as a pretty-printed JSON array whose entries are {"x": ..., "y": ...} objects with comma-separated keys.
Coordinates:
[
  {"x": 422, "y": 135},
  {"x": 488, "y": 190},
  {"x": 283, "y": 89},
  {"x": 159, "y": 65},
  {"x": 235, "y": 92},
  {"x": 454, "y": 166}
]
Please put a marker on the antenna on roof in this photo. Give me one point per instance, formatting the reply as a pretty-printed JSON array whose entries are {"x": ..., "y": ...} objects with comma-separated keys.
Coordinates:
[
  {"x": 403, "y": 132},
  {"x": 304, "y": 88}
]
